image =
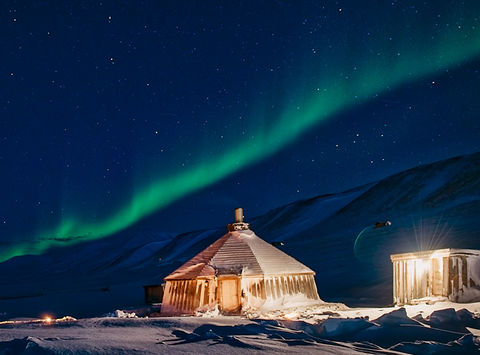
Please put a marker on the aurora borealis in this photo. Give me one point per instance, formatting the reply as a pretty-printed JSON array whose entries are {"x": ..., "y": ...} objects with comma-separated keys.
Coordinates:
[{"x": 307, "y": 67}]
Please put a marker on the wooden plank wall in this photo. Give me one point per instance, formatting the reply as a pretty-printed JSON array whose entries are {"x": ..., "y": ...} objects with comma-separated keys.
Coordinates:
[
  {"x": 187, "y": 296},
  {"x": 280, "y": 286}
]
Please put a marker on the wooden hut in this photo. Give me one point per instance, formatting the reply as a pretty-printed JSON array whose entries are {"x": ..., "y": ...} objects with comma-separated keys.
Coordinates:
[
  {"x": 239, "y": 271},
  {"x": 448, "y": 273}
]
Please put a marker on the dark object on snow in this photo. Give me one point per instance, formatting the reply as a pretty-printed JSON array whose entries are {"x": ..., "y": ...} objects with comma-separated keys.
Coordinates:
[
  {"x": 382, "y": 224},
  {"x": 153, "y": 293}
]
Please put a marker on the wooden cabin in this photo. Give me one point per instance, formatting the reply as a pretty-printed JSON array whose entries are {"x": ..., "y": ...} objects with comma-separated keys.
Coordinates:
[
  {"x": 238, "y": 272},
  {"x": 447, "y": 273}
]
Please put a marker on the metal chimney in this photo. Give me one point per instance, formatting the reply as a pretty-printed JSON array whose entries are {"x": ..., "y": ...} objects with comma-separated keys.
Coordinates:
[
  {"x": 239, "y": 224},
  {"x": 239, "y": 215}
]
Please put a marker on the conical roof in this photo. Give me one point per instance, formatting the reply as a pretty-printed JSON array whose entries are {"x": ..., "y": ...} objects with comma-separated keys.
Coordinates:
[{"x": 239, "y": 252}]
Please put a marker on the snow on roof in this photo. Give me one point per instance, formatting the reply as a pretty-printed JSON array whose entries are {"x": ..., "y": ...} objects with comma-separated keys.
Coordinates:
[
  {"x": 433, "y": 253},
  {"x": 239, "y": 253}
]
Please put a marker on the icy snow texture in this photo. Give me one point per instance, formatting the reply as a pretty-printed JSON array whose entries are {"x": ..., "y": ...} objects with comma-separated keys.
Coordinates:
[
  {"x": 316, "y": 330},
  {"x": 123, "y": 314}
]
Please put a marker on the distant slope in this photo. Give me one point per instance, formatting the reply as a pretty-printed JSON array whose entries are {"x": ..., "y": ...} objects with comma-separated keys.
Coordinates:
[{"x": 431, "y": 206}]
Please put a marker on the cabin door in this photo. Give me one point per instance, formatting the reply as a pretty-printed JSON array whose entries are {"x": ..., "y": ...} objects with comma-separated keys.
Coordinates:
[
  {"x": 422, "y": 268},
  {"x": 229, "y": 295},
  {"x": 437, "y": 282}
]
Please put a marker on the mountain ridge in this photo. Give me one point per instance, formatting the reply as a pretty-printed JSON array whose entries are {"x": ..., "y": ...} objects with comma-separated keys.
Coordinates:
[{"x": 433, "y": 205}]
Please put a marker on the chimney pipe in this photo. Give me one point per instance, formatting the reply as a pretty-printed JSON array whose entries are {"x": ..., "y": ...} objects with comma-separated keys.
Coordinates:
[
  {"x": 239, "y": 215},
  {"x": 239, "y": 224}
]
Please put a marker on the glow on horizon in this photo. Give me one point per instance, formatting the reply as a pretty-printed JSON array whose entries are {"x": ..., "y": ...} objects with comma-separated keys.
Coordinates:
[{"x": 335, "y": 96}]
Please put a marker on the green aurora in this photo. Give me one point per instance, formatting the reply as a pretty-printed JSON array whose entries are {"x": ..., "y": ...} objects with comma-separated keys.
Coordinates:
[{"x": 327, "y": 96}]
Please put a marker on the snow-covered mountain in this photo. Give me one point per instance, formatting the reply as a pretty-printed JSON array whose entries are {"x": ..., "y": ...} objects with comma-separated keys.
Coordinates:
[{"x": 430, "y": 206}]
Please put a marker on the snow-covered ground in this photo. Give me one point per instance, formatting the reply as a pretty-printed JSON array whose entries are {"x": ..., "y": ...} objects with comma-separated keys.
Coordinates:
[
  {"x": 232, "y": 335},
  {"x": 441, "y": 327}
]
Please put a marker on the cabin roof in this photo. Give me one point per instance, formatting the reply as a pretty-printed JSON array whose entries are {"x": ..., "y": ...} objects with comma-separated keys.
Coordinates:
[
  {"x": 426, "y": 254},
  {"x": 239, "y": 253}
]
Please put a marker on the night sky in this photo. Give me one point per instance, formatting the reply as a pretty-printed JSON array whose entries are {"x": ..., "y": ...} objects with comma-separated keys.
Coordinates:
[{"x": 164, "y": 116}]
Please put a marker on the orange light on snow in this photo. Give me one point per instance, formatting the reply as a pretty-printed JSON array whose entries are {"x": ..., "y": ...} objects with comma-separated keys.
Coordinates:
[{"x": 290, "y": 316}]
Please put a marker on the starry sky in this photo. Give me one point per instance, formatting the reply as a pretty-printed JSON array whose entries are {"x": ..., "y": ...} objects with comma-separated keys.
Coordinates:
[{"x": 166, "y": 115}]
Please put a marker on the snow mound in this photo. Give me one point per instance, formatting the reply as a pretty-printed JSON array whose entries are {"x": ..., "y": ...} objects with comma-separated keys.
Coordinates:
[
  {"x": 219, "y": 335},
  {"x": 333, "y": 328},
  {"x": 208, "y": 313},
  {"x": 465, "y": 345},
  {"x": 306, "y": 311},
  {"x": 447, "y": 319},
  {"x": 394, "y": 318},
  {"x": 27, "y": 345},
  {"x": 122, "y": 314},
  {"x": 468, "y": 318}
]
